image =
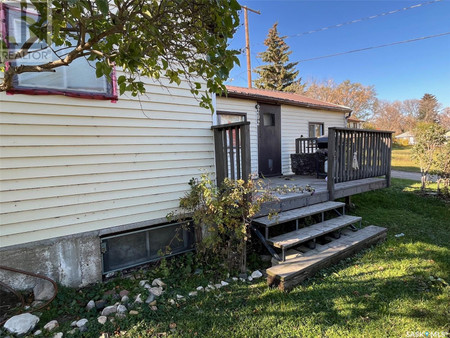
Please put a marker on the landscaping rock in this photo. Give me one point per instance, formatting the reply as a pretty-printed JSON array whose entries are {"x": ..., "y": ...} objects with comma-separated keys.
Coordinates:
[
  {"x": 53, "y": 324},
  {"x": 44, "y": 290},
  {"x": 152, "y": 303},
  {"x": 21, "y": 324},
  {"x": 157, "y": 291},
  {"x": 224, "y": 283},
  {"x": 124, "y": 293},
  {"x": 153, "y": 308},
  {"x": 171, "y": 302},
  {"x": 133, "y": 312},
  {"x": 125, "y": 299},
  {"x": 200, "y": 288},
  {"x": 256, "y": 274},
  {"x": 100, "y": 304},
  {"x": 38, "y": 332},
  {"x": 37, "y": 303},
  {"x": 138, "y": 299},
  {"x": 102, "y": 319},
  {"x": 74, "y": 323},
  {"x": 250, "y": 278},
  {"x": 180, "y": 297},
  {"x": 121, "y": 309},
  {"x": 90, "y": 305},
  {"x": 143, "y": 282},
  {"x": 82, "y": 322},
  {"x": 217, "y": 286},
  {"x": 58, "y": 335},
  {"x": 109, "y": 310},
  {"x": 147, "y": 286},
  {"x": 158, "y": 282},
  {"x": 150, "y": 298},
  {"x": 192, "y": 293},
  {"x": 235, "y": 279}
]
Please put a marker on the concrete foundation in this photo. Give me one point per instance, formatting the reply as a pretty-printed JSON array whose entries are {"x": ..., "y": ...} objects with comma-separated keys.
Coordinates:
[{"x": 73, "y": 261}]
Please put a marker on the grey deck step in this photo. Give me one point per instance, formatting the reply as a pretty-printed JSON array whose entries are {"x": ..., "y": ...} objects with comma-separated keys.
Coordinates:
[
  {"x": 290, "y": 273},
  {"x": 292, "y": 215},
  {"x": 296, "y": 237}
]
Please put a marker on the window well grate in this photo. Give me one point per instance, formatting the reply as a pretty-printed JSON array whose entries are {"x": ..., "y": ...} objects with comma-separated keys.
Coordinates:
[{"x": 142, "y": 246}]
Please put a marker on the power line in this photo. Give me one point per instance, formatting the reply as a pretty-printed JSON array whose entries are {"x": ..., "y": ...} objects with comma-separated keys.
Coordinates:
[
  {"x": 374, "y": 47},
  {"x": 363, "y": 19}
]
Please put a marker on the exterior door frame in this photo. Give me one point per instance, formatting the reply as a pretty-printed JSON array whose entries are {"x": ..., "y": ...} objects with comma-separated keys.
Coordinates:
[{"x": 269, "y": 140}]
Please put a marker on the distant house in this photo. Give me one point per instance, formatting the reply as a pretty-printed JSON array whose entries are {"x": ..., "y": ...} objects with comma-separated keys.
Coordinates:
[
  {"x": 405, "y": 138},
  {"x": 353, "y": 122}
]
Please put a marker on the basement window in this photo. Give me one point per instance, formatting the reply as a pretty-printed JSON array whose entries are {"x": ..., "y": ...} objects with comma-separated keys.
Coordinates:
[{"x": 138, "y": 247}]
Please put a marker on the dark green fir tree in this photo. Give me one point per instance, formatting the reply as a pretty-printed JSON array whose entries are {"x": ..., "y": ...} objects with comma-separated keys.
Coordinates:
[{"x": 278, "y": 73}]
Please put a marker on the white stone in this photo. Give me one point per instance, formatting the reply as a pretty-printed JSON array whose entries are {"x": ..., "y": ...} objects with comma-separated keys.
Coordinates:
[
  {"x": 102, "y": 319},
  {"x": 235, "y": 279},
  {"x": 90, "y": 305},
  {"x": 157, "y": 291},
  {"x": 121, "y": 309},
  {"x": 109, "y": 310},
  {"x": 138, "y": 299},
  {"x": 250, "y": 278},
  {"x": 147, "y": 286},
  {"x": 134, "y": 312},
  {"x": 44, "y": 290},
  {"x": 158, "y": 282},
  {"x": 180, "y": 297},
  {"x": 192, "y": 293},
  {"x": 51, "y": 325},
  {"x": 256, "y": 274},
  {"x": 21, "y": 324},
  {"x": 242, "y": 279},
  {"x": 224, "y": 283},
  {"x": 82, "y": 322},
  {"x": 125, "y": 299},
  {"x": 211, "y": 286},
  {"x": 74, "y": 323},
  {"x": 38, "y": 332},
  {"x": 150, "y": 298},
  {"x": 143, "y": 282},
  {"x": 171, "y": 302},
  {"x": 217, "y": 286},
  {"x": 58, "y": 335},
  {"x": 200, "y": 288}
]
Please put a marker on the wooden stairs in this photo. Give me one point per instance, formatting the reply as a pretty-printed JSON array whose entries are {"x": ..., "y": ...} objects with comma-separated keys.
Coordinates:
[{"x": 308, "y": 239}]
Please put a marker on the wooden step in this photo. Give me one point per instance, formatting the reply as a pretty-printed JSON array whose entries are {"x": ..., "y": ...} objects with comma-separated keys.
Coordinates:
[
  {"x": 297, "y": 237},
  {"x": 292, "y": 215},
  {"x": 290, "y": 273}
]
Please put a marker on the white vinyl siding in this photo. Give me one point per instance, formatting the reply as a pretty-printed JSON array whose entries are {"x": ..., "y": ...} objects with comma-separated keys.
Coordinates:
[
  {"x": 232, "y": 105},
  {"x": 73, "y": 165},
  {"x": 294, "y": 123}
]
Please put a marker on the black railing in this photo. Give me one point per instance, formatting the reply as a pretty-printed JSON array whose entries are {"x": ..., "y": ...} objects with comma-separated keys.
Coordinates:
[
  {"x": 355, "y": 154},
  {"x": 232, "y": 148}
]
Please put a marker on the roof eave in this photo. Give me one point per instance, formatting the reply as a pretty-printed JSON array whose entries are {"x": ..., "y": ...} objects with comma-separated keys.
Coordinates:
[{"x": 274, "y": 100}]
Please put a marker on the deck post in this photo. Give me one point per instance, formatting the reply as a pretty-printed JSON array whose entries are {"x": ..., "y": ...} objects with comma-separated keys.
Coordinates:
[
  {"x": 246, "y": 153},
  {"x": 389, "y": 158},
  {"x": 331, "y": 162}
]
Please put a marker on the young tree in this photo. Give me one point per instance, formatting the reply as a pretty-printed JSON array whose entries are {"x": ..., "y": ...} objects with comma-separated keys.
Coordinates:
[
  {"x": 429, "y": 137},
  {"x": 278, "y": 73},
  {"x": 361, "y": 99},
  {"x": 428, "y": 109},
  {"x": 178, "y": 39}
]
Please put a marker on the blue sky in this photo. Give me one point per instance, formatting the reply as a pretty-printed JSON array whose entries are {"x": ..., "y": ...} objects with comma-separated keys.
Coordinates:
[{"x": 399, "y": 72}]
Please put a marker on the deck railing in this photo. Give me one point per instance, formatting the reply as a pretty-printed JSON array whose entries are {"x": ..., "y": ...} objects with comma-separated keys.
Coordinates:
[
  {"x": 306, "y": 145},
  {"x": 355, "y": 154},
  {"x": 232, "y": 148}
]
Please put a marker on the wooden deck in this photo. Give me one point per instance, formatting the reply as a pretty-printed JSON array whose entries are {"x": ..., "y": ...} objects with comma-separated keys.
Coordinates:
[{"x": 289, "y": 201}]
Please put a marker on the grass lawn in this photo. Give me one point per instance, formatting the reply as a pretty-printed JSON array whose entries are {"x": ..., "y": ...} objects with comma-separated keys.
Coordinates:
[
  {"x": 391, "y": 290},
  {"x": 401, "y": 159}
]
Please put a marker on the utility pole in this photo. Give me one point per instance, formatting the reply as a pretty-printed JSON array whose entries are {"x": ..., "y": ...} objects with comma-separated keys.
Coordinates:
[{"x": 247, "y": 44}]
